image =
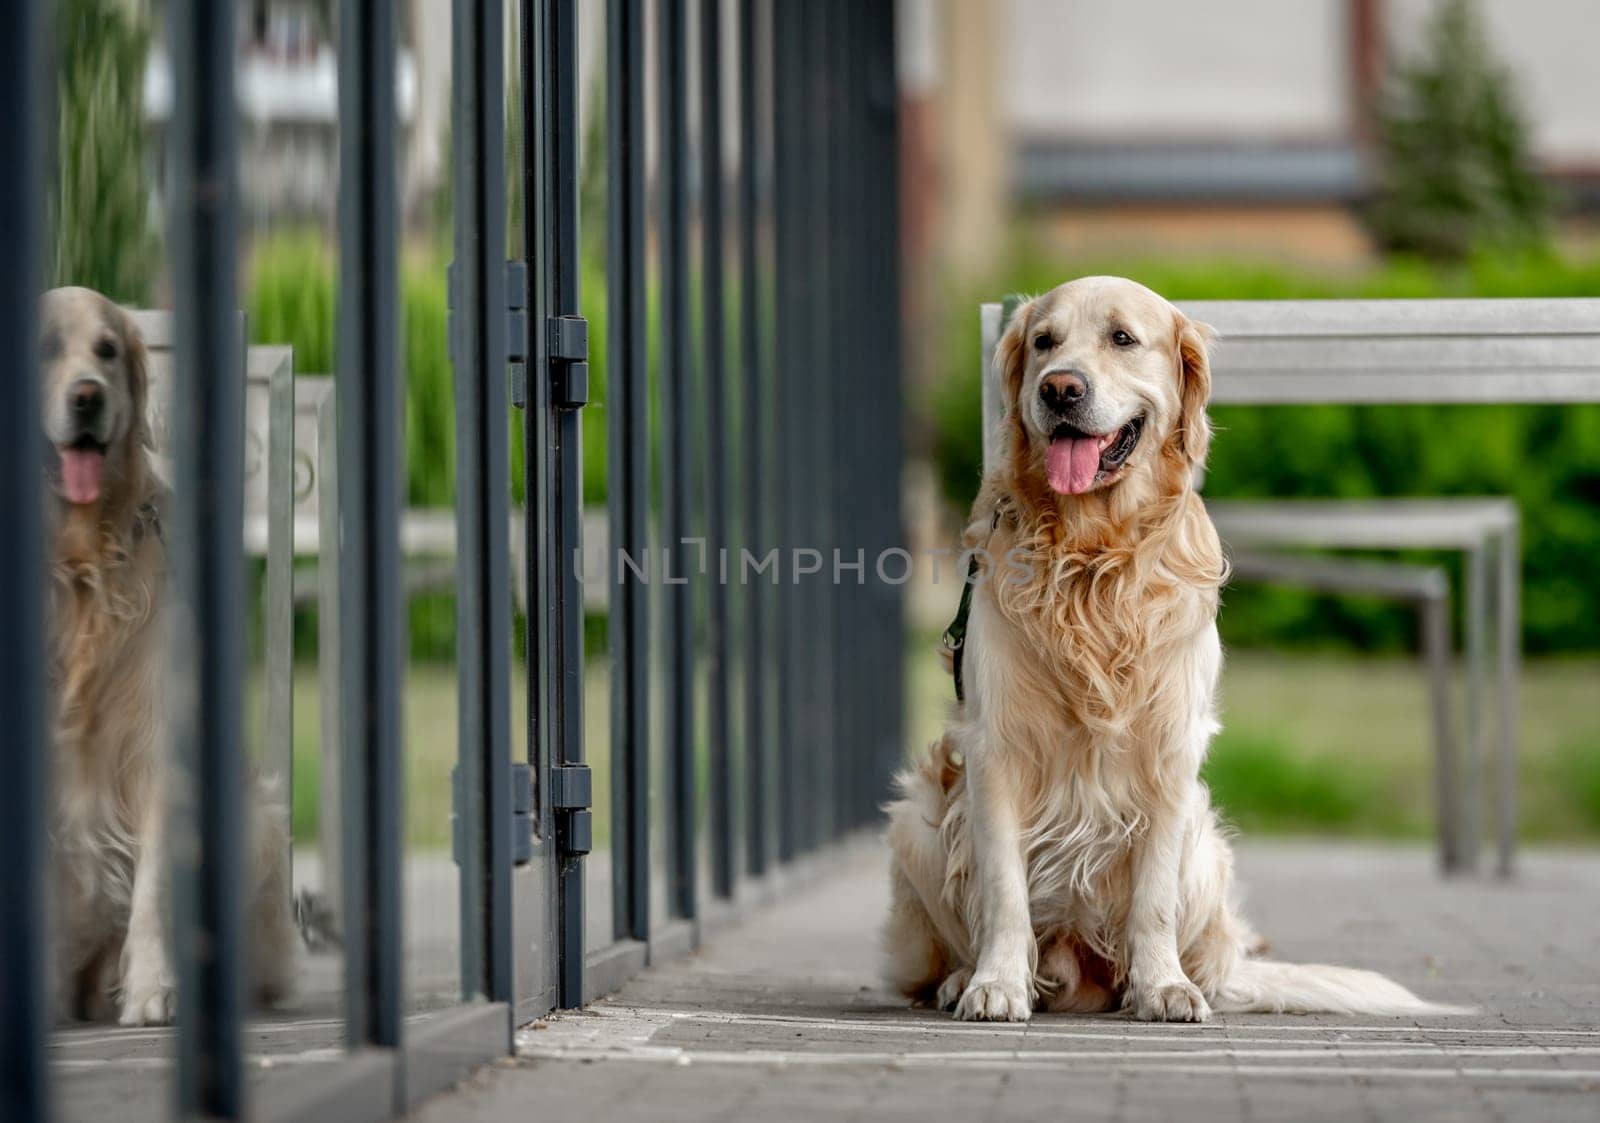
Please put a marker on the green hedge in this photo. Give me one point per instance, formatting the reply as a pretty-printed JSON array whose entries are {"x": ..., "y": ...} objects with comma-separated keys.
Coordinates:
[{"x": 1547, "y": 457}]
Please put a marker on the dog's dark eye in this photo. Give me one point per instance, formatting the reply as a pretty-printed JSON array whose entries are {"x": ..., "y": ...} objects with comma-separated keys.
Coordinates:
[
  {"x": 106, "y": 349},
  {"x": 1122, "y": 338},
  {"x": 1043, "y": 342}
]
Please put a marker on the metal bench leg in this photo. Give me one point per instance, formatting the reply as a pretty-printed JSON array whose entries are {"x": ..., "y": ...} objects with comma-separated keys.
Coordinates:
[
  {"x": 328, "y": 676},
  {"x": 1434, "y": 616},
  {"x": 279, "y": 754},
  {"x": 1510, "y": 639},
  {"x": 1477, "y": 625}
]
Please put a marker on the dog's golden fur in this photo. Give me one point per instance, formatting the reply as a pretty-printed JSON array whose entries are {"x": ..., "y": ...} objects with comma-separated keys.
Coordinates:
[
  {"x": 1056, "y": 849},
  {"x": 107, "y": 662}
]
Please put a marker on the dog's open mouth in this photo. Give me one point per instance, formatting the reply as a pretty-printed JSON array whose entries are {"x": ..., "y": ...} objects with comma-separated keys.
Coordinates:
[
  {"x": 1076, "y": 460},
  {"x": 82, "y": 469}
]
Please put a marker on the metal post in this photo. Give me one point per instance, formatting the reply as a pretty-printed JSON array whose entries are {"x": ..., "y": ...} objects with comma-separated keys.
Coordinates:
[
  {"x": 205, "y": 834},
  {"x": 885, "y": 142},
  {"x": 561, "y": 376},
  {"x": 676, "y": 438},
  {"x": 330, "y": 672},
  {"x": 788, "y": 167},
  {"x": 1470, "y": 795},
  {"x": 483, "y": 609},
  {"x": 25, "y": 965},
  {"x": 278, "y": 754},
  {"x": 1434, "y": 617},
  {"x": 715, "y": 389},
  {"x": 821, "y": 714},
  {"x": 753, "y": 432},
  {"x": 372, "y": 629},
  {"x": 1510, "y": 638},
  {"x": 628, "y": 399}
]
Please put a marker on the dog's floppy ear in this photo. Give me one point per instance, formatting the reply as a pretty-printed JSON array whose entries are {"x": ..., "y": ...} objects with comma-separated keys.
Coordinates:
[
  {"x": 1011, "y": 355},
  {"x": 1194, "y": 388},
  {"x": 137, "y": 363}
]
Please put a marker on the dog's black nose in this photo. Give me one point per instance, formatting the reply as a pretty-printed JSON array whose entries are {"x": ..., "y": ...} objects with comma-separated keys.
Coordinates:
[
  {"x": 88, "y": 399},
  {"x": 1063, "y": 389}
]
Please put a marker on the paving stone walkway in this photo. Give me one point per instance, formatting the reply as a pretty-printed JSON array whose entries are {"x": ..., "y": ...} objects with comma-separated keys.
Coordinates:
[{"x": 782, "y": 1017}]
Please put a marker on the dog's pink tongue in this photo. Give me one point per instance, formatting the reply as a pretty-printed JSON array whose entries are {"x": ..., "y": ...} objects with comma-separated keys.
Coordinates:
[
  {"x": 1071, "y": 464},
  {"x": 80, "y": 474}
]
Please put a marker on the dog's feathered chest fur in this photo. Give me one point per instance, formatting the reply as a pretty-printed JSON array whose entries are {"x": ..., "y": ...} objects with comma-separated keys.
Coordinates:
[
  {"x": 1097, "y": 640},
  {"x": 106, "y": 580}
]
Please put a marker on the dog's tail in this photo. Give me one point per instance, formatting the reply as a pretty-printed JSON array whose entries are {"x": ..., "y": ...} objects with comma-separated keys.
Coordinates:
[{"x": 1262, "y": 986}]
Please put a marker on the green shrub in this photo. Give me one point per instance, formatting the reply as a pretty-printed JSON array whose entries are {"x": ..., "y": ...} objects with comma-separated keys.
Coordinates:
[
  {"x": 99, "y": 206},
  {"x": 1260, "y": 785},
  {"x": 1546, "y": 457},
  {"x": 1455, "y": 170}
]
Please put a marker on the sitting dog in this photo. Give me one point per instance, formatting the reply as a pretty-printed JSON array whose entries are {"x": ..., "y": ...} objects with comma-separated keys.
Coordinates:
[
  {"x": 108, "y": 673},
  {"x": 1057, "y": 849}
]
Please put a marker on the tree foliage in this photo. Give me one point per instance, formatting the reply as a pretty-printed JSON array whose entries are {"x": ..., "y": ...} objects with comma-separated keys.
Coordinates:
[
  {"x": 99, "y": 206},
  {"x": 1455, "y": 172}
]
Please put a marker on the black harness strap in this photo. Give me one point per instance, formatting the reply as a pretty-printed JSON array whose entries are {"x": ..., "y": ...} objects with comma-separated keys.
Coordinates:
[{"x": 955, "y": 636}]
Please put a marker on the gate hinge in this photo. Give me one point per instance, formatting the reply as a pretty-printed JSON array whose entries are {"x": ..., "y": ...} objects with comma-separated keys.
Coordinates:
[
  {"x": 517, "y": 330},
  {"x": 516, "y": 325},
  {"x": 571, "y": 788},
  {"x": 521, "y": 814},
  {"x": 522, "y": 821},
  {"x": 568, "y": 342}
]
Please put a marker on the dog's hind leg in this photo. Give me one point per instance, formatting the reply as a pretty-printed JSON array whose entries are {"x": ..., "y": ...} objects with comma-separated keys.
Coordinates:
[
  {"x": 925, "y": 952},
  {"x": 914, "y": 962}
]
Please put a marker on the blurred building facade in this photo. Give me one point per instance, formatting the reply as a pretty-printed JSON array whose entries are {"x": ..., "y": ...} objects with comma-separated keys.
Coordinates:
[
  {"x": 288, "y": 94},
  {"x": 1239, "y": 127}
]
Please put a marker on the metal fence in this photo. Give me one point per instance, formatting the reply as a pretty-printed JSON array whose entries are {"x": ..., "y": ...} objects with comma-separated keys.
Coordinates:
[{"x": 754, "y": 453}]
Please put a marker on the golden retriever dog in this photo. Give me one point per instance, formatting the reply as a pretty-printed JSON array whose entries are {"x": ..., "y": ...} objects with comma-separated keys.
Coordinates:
[
  {"x": 1057, "y": 850},
  {"x": 108, "y": 659}
]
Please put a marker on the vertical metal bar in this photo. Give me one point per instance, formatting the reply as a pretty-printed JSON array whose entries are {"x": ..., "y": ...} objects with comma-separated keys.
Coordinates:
[
  {"x": 1510, "y": 638},
  {"x": 1470, "y": 796},
  {"x": 278, "y": 757},
  {"x": 372, "y": 627},
  {"x": 1434, "y": 617},
  {"x": 542, "y": 555},
  {"x": 821, "y": 717},
  {"x": 788, "y": 117},
  {"x": 628, "y": 474},
  {"x": 753, "y": 433},
  {"x": 483, "y": 610},
  {"x": 205, "y": 836},
  {"x": 855, "y": 400},
  {"x": 676, "y": 438},
  {"x": 839, "y": 296},
  {"x": 25, "y": 965},
  {"x": 886, "y": 144},
  {"x": 715, "y": 388},
  {"x": 557, "y": 267},
  {"x": 330, "y": 671}
]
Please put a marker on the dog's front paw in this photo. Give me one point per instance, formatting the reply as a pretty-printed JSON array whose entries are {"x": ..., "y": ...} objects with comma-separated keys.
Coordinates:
[
  {"x": 996, "y": 1000},
  {"x": 1170, "y": 1000},
  {"x": 149, "y": 994},
  {"x": 950, "y": 991}
]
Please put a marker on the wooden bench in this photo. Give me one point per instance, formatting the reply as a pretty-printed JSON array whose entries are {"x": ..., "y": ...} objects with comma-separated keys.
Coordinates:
[{"x": 1397, "y": 352}]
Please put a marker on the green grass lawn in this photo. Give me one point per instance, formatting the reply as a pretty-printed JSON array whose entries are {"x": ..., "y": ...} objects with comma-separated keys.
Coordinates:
[
  {"x": 1310, "y": 744},
  {"x": 1329, "y": 744}
]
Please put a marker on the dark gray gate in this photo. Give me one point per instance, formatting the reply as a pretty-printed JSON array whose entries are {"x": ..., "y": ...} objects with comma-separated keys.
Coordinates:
[{"x": 753, "y": 417}]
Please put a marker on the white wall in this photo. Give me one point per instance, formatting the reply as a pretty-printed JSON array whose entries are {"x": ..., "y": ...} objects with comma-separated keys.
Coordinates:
[{"x": 1175, "y": 69}]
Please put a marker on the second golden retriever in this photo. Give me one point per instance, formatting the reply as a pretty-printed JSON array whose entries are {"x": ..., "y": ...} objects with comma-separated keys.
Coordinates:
[{"x": 108, "y": 662}]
